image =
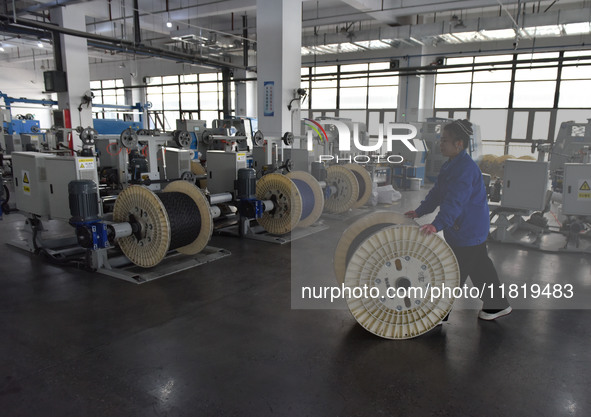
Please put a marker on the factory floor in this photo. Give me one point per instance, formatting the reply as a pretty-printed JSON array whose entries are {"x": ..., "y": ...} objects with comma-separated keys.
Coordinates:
[{"x": 223, "y": 340}]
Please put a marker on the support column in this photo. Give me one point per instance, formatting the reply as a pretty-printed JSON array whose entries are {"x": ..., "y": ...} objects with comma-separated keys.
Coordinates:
[
  {"x": 416, "y": 93},
  {"x": 246, "y": 94},
  {"x": 74, "y": 59},
  {"x": 279, "y": 41}
]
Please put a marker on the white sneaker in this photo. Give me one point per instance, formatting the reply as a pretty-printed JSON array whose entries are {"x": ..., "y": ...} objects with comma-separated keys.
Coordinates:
[{"x": 494, "y": 314}]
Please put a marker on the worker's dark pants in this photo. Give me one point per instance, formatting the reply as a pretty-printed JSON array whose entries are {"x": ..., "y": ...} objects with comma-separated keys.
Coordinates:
[{"x": 475, "y": 263}]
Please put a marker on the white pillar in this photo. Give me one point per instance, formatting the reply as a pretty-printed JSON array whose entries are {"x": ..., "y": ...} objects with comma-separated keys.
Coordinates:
[
  {"x": 416, "y": 93},
  {"x": 246, "y": 94},
  {"x": 75, "y": 64},
  {"x": 133, "y": 95},
  {"x": 426, "y": 93},
  {"x": 279, "y": 41}
]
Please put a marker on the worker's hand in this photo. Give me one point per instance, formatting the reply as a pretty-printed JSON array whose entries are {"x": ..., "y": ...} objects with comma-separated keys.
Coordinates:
[
  {"x": 411, "y": 214},
  {"x": 428, "y": 229}
]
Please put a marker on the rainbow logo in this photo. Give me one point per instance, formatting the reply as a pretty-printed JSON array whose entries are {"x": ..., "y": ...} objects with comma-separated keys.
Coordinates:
[{"x": 317, "y": 127}]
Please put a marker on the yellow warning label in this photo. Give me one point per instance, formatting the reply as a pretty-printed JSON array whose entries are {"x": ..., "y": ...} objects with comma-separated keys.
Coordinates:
[
  {"x": 25, "y": 178},
  {"x": 26, "y": 189},
  {"x": 585, "y": 186},
  {"x": 86, "y": 163}
]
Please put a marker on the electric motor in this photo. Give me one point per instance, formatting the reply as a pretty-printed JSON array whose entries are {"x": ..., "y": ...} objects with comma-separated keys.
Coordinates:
[{"x": 83, "y": 199}]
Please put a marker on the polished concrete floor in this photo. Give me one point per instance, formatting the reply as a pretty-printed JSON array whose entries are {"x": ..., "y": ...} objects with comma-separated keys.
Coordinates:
[{"x": 224, "y": 340}]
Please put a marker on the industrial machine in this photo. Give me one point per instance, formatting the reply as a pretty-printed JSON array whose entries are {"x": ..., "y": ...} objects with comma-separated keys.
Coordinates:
[
  {"x": 114, "y": 126},
  {"x": 526, "y": 198},
  {"x": 195, "y": 129},
  {"x": 275, "y": 154},
  {"x": 146, "y": 229},
  {"x": 572, "y": 145},
  {"x": 143, "y": 157}
]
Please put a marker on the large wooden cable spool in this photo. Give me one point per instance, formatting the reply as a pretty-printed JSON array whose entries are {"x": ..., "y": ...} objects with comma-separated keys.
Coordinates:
[
  {"x": 360, "y": 230},
  {"x": 198, "y": 169},
  {"x": 176, "y": 219},
  {"x": 287, "y": 203},
  {"x": 347, "y": 189},
  {"x": 364, "y": 182},
  {"x": 399, "y": 257},
  {"x": 312, "y": 197}
]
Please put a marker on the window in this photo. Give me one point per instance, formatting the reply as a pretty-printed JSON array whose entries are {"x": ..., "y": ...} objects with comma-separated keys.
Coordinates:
[
  {"x": 198, "y": 95},
  {"x": 541, "y": 99},
  {"x": 109, "y": 92},
  {"x": 349, "y": 90}
]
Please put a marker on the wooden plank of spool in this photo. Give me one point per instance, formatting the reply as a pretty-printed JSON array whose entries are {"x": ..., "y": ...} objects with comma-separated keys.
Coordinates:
[
  {"x": 347, "y": 189},
  {"x": 361, "y": 174},
  {"x": 145, "y": 208},
  {"x": 287, "y": 203}
]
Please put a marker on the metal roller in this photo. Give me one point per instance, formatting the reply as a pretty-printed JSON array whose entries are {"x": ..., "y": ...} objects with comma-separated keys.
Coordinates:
[
  {"x": 182, "y": 138},
  {"x": 347, "y": 189},
  {"x": 198, "y": 169},
  {"x": 364, "y": 182},
  {"x": 312, "y": 197},
  {"x": 128, "y": 138},
  {"x": 399, "y": 258},
  {"x": 178, "y": 218},
  {"x": 358, "y": 232},
  {"x": 287, "y": 203}
]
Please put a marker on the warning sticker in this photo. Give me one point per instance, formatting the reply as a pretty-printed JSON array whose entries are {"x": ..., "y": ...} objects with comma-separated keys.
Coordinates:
[
  {"x": 25, "y": 177},
  {"x": 86, "y": 163},
  {"x": 241, "y": 157},
  {"x": 584, "y": 192}
]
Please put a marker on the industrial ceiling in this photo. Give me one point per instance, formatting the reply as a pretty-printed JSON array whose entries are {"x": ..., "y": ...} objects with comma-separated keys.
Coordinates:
[{"x": 220, "y": 32}]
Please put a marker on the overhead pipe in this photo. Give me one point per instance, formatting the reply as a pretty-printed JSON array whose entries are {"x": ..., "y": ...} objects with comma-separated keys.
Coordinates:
[{"x": 119, "y": 44}]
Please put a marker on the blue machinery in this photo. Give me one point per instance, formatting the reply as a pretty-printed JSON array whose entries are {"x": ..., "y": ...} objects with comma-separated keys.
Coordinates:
[{"x": 103, "y": 126}]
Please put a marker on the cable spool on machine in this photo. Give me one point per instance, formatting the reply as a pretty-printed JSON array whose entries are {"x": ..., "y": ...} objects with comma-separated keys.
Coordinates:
[
  {"x": 347, "y": 189},
  {"x": 198, "y": 169},
  {"x": 364, "y": 182},
  {"x": 178, "y": 219},
  {"x": 393, "y": 258},
  {"x": 287, "y": 203}
]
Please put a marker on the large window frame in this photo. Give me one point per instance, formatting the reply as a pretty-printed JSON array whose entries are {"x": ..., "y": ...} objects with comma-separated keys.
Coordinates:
[
  {"x": 185, "y": 96},
  {"x": 356, "y": 90},
  {"x": 518, "y": 123}
]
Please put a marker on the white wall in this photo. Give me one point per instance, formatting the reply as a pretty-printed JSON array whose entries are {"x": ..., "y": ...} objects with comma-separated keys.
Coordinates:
[{"x": 18, "y": 80}]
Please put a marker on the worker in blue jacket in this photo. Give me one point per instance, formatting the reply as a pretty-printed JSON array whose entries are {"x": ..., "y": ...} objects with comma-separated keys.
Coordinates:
[{"x": 463, "y": 216}]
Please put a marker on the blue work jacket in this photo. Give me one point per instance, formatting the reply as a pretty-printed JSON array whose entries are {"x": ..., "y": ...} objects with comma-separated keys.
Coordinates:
[{"x": 460, "y": 193}]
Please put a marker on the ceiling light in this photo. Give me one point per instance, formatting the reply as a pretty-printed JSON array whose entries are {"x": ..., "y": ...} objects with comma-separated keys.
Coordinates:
[
  {"x": 1, "y": 48},
  {"x": 40, "y": 44},
  {"x": 169, "y": 24}
]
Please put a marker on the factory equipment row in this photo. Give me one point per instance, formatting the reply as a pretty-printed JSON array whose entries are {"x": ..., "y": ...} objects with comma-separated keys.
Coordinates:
[
  {"x": 135, "y": 197},
  {"x": 557, "y": 186}
]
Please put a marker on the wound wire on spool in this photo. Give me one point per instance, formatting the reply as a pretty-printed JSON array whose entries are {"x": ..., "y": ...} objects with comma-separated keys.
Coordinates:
[
  {"x": 307, "y": 197},
  {"x": 364, "y": 181},
  {"x": 361, "y": 182},
  {"x": 358, "y": 231},
  {"x": 178, "y": 218},
  {"x": 311, "y": 194},
  {"x": 184, "y": 217}
]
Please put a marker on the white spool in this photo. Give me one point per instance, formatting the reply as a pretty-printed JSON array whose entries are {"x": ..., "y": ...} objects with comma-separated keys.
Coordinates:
[{"x": 402, "y": 257}]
